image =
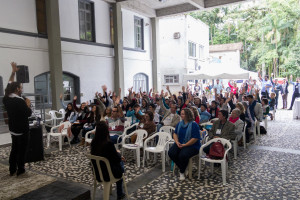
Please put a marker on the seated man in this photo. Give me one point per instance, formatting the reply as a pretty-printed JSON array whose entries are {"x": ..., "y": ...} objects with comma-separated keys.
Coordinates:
[
  {"x": 221, "y": 128},
  {"x": 116, "y": 123}
]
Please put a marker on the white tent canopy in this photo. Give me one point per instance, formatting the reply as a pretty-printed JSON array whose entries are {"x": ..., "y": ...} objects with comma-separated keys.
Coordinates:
[{"x": 218, "y": 70}]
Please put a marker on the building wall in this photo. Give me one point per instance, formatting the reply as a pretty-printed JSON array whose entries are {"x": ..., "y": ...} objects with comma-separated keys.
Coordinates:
[
  {"x": 26, "y": 50},
  {"x": 93, "y": 64},
  {"x": 136, "y": 61},
  {"x": 197, "y": 32},
  {"x": 231, "y": 57},
  {"x": 174, "y": 58}
]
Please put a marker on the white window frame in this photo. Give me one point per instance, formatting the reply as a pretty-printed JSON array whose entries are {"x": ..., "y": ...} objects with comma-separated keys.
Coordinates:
[
  {"x": 201, "y": 52},
  {"x": 171, "y": 79},
  {"x": 138, "y": 33},
  {"x": 192, "y": 49}
]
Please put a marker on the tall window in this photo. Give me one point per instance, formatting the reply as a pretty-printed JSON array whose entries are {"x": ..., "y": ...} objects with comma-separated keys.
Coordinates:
[
  {"x": 138, "y": 32},
  {"x": 201, "y": 52},
  {"x": 171, "y": 79},
  {"x": 41, "y": 18},
  {"x": 86, "y": 20},
  {"x": 192, "y": 49},
  {"x": 140, "y": 81}
]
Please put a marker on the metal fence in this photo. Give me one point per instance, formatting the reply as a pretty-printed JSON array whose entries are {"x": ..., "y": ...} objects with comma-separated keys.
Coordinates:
[{"x": 37, "y": 107}]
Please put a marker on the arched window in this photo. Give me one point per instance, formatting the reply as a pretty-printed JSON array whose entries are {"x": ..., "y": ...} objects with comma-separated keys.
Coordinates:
[
  {"x": 140, "y": 81},
  {"x": 71, "y": 87}
]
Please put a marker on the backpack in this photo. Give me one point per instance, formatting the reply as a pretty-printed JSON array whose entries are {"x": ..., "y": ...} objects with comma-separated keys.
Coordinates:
[
  {"x": 263, "y": 130},
  {"x": 216, "y": 150}
]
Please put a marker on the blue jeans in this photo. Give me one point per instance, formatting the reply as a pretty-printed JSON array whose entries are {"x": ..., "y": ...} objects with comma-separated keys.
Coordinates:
[
  {"x": 114, "y": 139},
  {"x": 181, "y": 156}
]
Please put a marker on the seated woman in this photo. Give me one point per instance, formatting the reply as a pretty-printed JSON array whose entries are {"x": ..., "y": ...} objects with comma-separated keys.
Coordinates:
[
  {"x": 83, "y": 112},
  {"x": 70, "y": 115},
  {"x": 93, "y": 118},
  {"x": 152, "y": 108},
  {"x": 146, "y": 123},
  {"x": 107, "y": 113},
  {"x": 213, "y": 110},
  {"x": 187, "y": 141},
  {"x": 102, "y": 146},
  {"x": 196, "y": 114},
  {"x": 239, "y": 124},
  {"x": 241, "y": 107}
]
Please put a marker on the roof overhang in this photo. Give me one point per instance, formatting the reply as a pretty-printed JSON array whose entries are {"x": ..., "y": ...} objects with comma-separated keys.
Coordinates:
[{"x": 162, "y": 8}]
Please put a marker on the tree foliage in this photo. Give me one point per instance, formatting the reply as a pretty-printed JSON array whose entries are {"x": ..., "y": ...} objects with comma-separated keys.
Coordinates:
[{"x": 269, "y": 30}]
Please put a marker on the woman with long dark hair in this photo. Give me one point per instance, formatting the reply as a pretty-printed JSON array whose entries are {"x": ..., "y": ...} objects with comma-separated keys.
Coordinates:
[
  {"x": 93, "y": 118},
  {"x": 102, "y": 146}
]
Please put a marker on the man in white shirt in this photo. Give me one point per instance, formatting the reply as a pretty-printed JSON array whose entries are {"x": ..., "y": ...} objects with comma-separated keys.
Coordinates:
[{"x": 218, "y": 86}]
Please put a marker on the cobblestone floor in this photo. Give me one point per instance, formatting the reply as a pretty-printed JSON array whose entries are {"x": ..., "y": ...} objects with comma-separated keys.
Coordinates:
[{"x": 268, "y": 169}]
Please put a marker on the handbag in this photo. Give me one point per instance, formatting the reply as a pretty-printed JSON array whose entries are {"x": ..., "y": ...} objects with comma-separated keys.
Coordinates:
[{"x": 216, "y": 150}]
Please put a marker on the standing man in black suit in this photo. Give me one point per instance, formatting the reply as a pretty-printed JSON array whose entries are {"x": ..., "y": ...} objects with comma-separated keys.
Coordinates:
[
  {"x": 18, "y": 110},
  {"x": 284, "y": 93},
  {"x": 296, "y": 90}
]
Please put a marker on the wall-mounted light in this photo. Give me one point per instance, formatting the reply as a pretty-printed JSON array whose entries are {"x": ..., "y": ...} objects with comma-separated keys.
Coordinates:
[{"x": 146, "y": 24}]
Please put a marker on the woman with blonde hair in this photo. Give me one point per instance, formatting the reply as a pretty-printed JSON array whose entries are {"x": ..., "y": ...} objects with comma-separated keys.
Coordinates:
[
  {"x": 241, "y": 107},
  {"x": 187, "y": 141},
  {"x": 196, "y": 114}
]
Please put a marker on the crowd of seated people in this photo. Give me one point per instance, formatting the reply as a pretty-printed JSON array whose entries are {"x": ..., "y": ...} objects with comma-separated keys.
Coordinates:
[{"x": 230, "y": 112}]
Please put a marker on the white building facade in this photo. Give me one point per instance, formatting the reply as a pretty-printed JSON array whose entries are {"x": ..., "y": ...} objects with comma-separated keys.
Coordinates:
[
  {"x": 184, "y": 48},
  {"x": 86, "y": 47}
]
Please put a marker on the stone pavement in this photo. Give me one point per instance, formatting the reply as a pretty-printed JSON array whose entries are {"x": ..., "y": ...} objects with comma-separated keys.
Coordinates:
[{"x": 267, "y": 169}]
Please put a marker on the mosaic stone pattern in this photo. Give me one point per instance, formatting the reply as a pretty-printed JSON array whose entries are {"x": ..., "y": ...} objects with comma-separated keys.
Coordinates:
[{"x": 256, "y": 174}]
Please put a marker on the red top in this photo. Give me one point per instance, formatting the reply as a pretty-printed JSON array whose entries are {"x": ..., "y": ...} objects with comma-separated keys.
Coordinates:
[{"x": 233, "y": 89}]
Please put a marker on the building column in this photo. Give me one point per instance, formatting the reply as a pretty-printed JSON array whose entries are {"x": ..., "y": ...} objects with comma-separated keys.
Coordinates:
[
  {"x": 155, "y": 54},
  {"x": 54, "y": 49},
  {"x": 118, "y": 49}
]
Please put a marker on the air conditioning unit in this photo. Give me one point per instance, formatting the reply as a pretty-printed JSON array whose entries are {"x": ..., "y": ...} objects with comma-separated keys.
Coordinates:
[{"x": 176, "y": 35}]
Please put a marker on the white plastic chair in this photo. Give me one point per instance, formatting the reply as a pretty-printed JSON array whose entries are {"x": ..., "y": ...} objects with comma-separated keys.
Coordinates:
[
  {"x": 60, "y": 135},
  {"x": 189, "y": 169},
  {"x": 54, "y": 117},
  {"x": 235, "y": 142},
  {"x": 223, "y": 162},
  {"x": 257, "y": 126},
  {"x": 106, "y": 185},
  {"x": 126, "y": 128},
  {"x": 266, "y": 122},
  {"x": 88, "y": 139},
  {"x": 141, "y": 135},
  {"x": 163, "y": 138},
  {"x": 244, "y": 136},
  {"x": 62, "y": 112},
  {"x": 170, "y": 130}
]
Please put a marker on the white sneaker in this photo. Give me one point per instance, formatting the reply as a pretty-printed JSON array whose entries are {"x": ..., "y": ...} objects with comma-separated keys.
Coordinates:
[{"x": 181, "y": 177}]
